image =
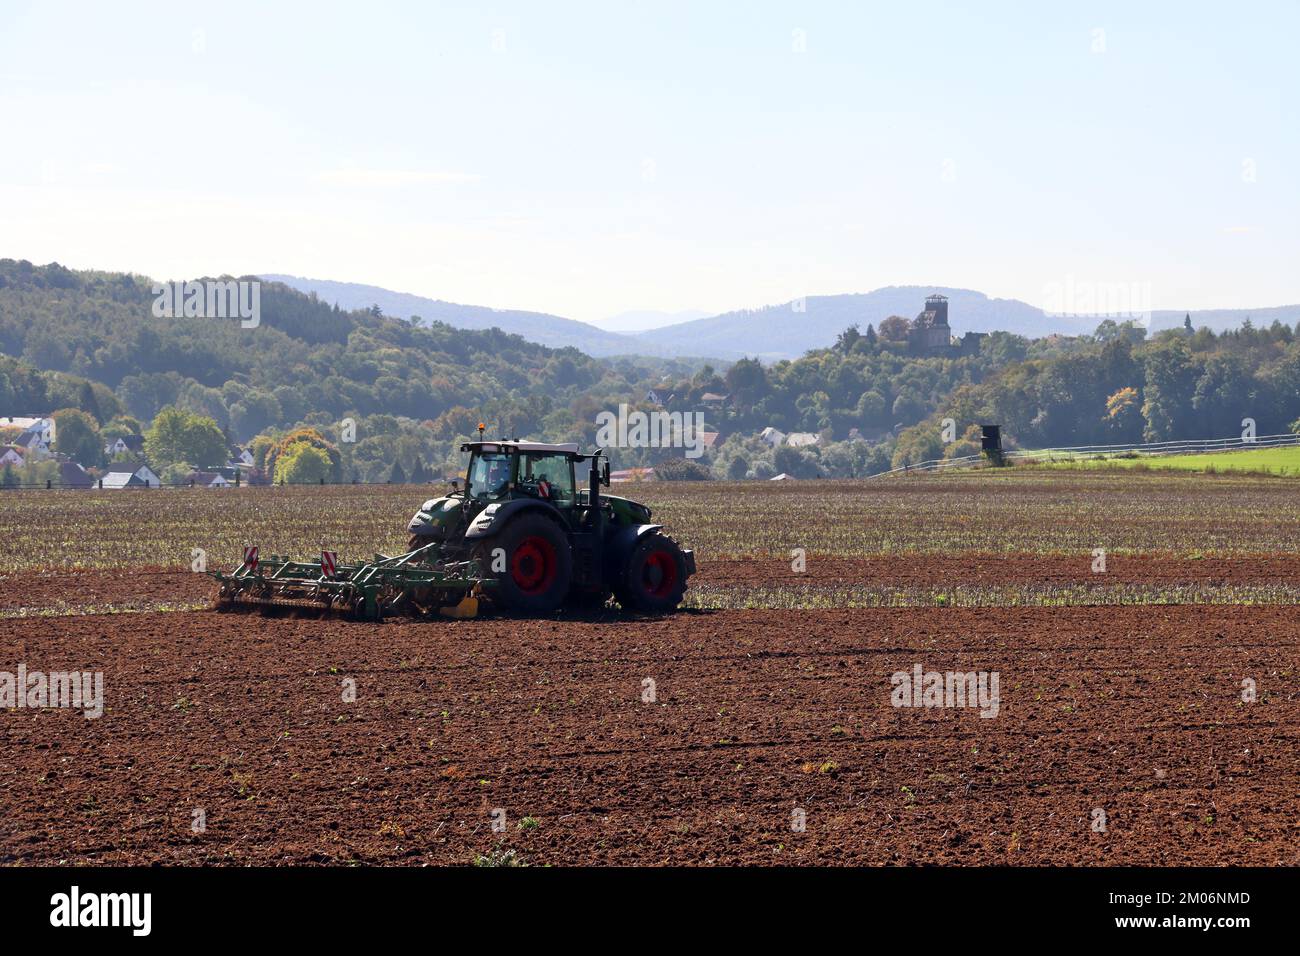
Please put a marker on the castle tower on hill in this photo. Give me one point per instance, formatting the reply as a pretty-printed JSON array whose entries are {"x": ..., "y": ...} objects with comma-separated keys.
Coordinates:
[{"x": 932, "y": 336}]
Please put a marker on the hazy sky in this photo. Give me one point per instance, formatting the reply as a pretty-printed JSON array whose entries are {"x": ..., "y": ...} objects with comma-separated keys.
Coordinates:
[{"x": 587, "y": 159}]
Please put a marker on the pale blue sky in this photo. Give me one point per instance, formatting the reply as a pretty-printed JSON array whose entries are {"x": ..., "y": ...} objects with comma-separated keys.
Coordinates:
[{"x": 591, "y": 158}]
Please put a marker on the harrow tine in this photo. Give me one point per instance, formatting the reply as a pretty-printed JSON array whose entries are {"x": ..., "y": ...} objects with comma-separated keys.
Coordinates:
[{"x": 387, "y": 585}]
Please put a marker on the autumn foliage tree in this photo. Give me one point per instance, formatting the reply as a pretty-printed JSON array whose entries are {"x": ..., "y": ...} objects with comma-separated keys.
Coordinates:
[
  {"x": 455, "y": 421},
  {"x": 301, "y": 464},
  {"x": 285, "y": 459},
  {"x": 1124, "y": 415},
  {"x": 895, "y": 329}
]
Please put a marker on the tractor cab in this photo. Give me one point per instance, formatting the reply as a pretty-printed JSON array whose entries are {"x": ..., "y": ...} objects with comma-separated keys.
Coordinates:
[{"x": 508, "y": 471}]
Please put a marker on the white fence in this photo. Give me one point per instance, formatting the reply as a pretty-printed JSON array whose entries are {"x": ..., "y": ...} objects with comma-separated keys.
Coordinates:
[{"x": 1149, "y": 449}]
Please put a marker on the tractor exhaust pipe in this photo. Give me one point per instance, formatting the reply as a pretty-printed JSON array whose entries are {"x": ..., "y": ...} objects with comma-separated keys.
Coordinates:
[{"x": 593, "y": 495}]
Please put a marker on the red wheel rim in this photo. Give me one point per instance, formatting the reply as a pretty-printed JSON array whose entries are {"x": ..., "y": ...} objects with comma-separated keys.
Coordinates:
[
  {"x": 532, "y": 566},
  {"x": 659, "y": 575}
]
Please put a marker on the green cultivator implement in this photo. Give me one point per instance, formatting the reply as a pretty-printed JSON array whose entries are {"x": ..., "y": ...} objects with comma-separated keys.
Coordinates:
[
  {"x": 386, "y": 586},
  {"x": 520, "y": 532}
]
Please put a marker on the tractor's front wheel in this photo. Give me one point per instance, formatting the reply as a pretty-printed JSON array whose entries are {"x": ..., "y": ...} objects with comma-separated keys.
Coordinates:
[
  {"x": 532, "y": 563},
  {"x": 417, "y": 541},
  {"x": 654, "y": 579}
]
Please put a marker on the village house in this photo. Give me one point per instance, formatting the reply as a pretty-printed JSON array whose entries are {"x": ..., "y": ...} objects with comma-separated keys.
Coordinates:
[
  {"x": 802, "y": 439},
  {"x": 36, "y": 438},
  {"x": 143, "y": 477},
  {"x": 34, "y": 445},
  {"x": 126, "y": 445},
  {"x": 44, "y": 425},
  {"x": 871, "y": 435},
  {"x": 207, "y": 479},
  {"x": 772, "y": 436},
  {"x": 72, "y": 475},
  {"x": 11, "y": 455}
]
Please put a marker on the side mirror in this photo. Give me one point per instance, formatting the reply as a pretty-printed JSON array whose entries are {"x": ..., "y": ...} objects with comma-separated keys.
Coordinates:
[
  {"x": 604, "y": 474},
  {"x": 455, "y": 484}
]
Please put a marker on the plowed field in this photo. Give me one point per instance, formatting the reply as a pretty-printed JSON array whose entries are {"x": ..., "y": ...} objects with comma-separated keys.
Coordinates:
[{"x": 1145, "y": 714}]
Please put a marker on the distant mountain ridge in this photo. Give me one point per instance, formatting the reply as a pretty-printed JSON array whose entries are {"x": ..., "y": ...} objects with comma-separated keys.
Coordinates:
[
  {"x": 540, "y": 327},
  {"x": 783, "y": 331},
  {"x": 643, "y": 320},
  {"x": 1221, "y": 319},
  {"x": 789, "y": 329}
]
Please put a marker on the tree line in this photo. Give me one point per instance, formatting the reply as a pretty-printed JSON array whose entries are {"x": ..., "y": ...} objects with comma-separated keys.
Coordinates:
[{"x": 87, "y": 345}]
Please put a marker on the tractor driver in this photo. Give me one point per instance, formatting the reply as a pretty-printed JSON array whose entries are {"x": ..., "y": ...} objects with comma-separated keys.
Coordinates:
[{"x": 498, "y": 476}]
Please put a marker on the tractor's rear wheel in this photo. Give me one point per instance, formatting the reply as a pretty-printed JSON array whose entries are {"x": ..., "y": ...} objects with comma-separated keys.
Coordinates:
[
  {"x": 532, "y": 563},
  {"x": 653, "y": 580}
]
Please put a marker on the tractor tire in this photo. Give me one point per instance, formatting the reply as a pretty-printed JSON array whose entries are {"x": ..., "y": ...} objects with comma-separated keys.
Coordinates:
[
  {"x": 538, "y": 565},
  {"x": 654, "y": 579}
]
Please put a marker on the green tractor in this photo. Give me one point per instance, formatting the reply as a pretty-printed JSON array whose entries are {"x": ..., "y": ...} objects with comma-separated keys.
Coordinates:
[{"x": 543, "y": 541}]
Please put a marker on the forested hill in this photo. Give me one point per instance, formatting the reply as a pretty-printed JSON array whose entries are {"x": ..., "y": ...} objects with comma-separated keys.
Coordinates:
[
  {"x": 541, "y": 327},
  {"x": 304, "y": 358},
  {"x": 89, "y": 345}
]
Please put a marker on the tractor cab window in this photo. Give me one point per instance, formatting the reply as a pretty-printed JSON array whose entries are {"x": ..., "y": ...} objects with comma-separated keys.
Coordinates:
[
  {"x": 489, "y": 475},
  {"x": 549, "y": 477}
]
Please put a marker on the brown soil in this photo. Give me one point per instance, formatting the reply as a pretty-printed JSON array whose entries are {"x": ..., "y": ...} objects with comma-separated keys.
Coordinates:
[
  {"x": 1133, "y": 711},
  {"x": 43, "y": 592}
]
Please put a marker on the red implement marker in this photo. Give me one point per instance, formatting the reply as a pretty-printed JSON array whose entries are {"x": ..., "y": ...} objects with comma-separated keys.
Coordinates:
[
  {"x": 328, "y": 562},
  {"x": 250, "y": 557}
]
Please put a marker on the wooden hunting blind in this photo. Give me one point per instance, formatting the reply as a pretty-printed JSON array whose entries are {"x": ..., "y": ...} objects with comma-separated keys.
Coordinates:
[{"x": 991, "y": 443}]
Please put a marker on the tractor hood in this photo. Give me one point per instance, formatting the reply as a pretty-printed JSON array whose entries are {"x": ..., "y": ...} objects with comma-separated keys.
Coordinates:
[
  {"x": 437, "y": 516},
  {"x": 632, "y": 512}
]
